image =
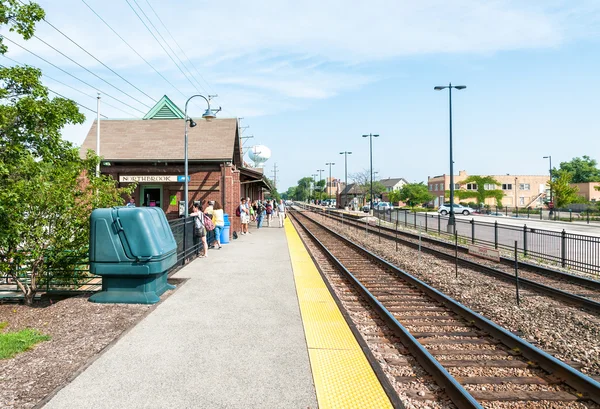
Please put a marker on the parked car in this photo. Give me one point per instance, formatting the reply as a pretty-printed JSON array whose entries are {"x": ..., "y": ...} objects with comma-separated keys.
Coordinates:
[
  {"x": 383, "y": 206},
  {"x": 366, "y": 208},
  {"x": 458, "y": 209}
]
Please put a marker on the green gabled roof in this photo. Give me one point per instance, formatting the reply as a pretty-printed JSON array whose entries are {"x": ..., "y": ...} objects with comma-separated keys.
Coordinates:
[{"x": 165, "y": 109}]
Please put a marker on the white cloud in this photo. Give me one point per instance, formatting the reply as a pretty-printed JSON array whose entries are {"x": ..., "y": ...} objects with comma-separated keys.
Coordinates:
[{"x": 289, "y": 52}]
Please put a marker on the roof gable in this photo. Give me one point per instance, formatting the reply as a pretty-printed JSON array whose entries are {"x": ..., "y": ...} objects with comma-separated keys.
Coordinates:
[{"x": 165, "y": 109}]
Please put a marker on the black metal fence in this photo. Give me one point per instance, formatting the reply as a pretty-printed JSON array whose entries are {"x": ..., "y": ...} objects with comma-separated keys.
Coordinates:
[
  {"x": 74, "y": 275},
  {"x": 577, "y": 251},
  {"x": 575, "y": 214}
]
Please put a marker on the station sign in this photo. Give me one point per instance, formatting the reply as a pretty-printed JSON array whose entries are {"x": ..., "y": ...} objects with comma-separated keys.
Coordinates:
[
  {"x": 484, "y": 252},
  {"x": 151, "y": 178}
]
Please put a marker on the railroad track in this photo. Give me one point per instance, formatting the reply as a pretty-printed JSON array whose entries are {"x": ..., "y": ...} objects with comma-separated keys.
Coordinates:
[
  {"x": 475, "y": 361},
  {"x": 575, "y": 290}
]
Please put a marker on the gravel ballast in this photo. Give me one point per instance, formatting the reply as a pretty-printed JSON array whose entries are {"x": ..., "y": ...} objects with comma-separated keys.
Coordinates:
[{"x": 568, "y": 333}]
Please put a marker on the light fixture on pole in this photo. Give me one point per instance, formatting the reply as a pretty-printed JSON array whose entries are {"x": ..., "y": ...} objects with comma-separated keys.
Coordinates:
[
  {"x": 346, "y": 153},
  {"x": 208, "y": 115},
  {"x": 451, "y": 218},
  {"x": 550, "y": 159},
  {"x": 320, "y": 178},
  {"x": 371, "y": 136},
  {"x": 330, "y": 164},
  {"x": 314, "y": 176}
]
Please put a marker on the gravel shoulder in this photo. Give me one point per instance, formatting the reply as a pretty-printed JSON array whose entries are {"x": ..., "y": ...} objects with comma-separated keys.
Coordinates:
[
  {"x": 79, "y": 330},
  {"x": 566, "y": 332}
]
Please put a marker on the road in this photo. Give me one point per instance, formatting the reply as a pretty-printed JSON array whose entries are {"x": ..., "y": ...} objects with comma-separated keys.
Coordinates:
[{"x": 541, "y": 239}]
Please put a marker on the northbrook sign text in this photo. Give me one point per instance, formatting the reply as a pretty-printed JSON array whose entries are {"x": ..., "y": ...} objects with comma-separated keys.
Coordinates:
[{"x": 153, "y": 178}]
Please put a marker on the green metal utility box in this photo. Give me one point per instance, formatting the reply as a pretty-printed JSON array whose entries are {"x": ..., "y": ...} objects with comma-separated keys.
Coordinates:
[{"x": 132, "y": 248}]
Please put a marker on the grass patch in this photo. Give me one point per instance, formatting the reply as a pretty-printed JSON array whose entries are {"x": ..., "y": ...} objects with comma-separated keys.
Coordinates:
[
  {"x": 12, "y": 343},
  {"x": 3, "y": 325}
]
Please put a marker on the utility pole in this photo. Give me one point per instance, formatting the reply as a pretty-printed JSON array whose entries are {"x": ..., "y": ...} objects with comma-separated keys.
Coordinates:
[
  {"x": 320, "y": 178},
  {"x": 98, "y": 134},
  {"x": 275, "y": 175}
]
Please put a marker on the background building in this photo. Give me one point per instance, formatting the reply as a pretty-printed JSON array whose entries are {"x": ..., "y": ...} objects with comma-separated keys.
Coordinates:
[
  {"x": 150, "y": 152},
  {"x": 519, "y": 190}
]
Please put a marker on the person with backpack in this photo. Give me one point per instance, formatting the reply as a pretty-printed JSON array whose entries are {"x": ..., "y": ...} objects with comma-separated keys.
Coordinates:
[
  {"x": 199, "y": 229},
  {"x": 269, "y": 211},
  {"x": 259, "y": 213}
]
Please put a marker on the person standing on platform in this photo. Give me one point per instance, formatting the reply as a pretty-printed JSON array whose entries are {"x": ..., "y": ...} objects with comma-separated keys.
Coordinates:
[
  {"x": 210, "y": 235},
  {"x": 259, "y": 213},
  {"x": 218, "y": 220},
  {"x": 199, "y": 229},
  {"x": 281, "y": 212},
  {"x": 269, "y": 211},
  {"x": 244, "y": 216}
]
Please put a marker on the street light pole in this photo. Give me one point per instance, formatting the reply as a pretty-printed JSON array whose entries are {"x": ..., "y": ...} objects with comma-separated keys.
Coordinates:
[
  {"x": 451, "y": 219},
  {"x": 550, "y": 159},
  {"x": 330, "y": 181},
  {"x": 320, "y": 178},
  {"x": 346, "y": 153},
  {"x": 208, "y": 115},
  {"x": 314, "y": 177},
  {"x": 371, "y": 136}
]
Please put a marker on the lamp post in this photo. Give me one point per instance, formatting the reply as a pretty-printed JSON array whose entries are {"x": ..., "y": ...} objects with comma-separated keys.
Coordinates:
[
  {"x": 451, "y": 219},
  {"x": 314, "y": 176},
  {"x": 346, "y": 153},
  {"x": 330, "y": 181},
  {"x": 320, "y": 177},
  {"x": 550, "y": 159},
  {"x": 208, "y": 115},
  {"x": 371, "y": 136}
]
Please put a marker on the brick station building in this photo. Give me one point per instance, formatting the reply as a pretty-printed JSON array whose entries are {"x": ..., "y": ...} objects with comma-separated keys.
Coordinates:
[{"x": 150, "y": 152}]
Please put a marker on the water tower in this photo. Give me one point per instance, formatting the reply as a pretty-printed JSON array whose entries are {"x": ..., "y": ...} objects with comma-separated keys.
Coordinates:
[{"x": 259, "y": 154}]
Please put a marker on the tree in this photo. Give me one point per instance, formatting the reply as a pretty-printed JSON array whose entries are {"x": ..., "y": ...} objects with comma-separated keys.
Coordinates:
[
  {"x": 481, "y": 193},
  {"x": 363, "y": 183},
  {"x": 290, "y": 194},
  {"x": 582, "y": 169},
  {"x": 303, "y": 189},
  {"x": 45, "y": 196},
  {"x": 563, "y": 193},
  {"x": 394, "y": 196},
  {"x": 415, "y": 194}
]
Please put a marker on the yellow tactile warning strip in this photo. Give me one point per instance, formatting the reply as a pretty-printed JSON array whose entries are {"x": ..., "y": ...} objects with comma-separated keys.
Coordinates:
[{"x": 342, "y": 375}]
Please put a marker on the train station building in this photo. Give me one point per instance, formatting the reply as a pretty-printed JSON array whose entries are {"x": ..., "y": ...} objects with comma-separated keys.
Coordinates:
[{"x": 150, "y": 152}]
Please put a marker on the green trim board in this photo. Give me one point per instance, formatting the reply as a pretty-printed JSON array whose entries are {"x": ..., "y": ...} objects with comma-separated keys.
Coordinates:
[{"x": 165, "y": 109}]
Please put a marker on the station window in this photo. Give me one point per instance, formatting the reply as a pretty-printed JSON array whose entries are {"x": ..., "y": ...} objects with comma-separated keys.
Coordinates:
[
  {"x": 456, "y": 186},
  {"x": 524, "y": 186},
  {"x": 507, "y": 186},
  {"x": 471, "y": 186},
  {"x": 489, "y": 186}
]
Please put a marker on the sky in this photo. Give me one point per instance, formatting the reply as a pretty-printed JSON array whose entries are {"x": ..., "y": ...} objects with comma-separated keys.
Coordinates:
[{"x": 311, "y": 77}]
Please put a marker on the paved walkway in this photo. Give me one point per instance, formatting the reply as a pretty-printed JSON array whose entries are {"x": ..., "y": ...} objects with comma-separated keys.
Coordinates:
[{"x": 230, "y": 337}]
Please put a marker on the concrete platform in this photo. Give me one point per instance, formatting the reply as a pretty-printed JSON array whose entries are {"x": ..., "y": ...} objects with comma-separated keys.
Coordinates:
[{"x": 230, "y": 337}]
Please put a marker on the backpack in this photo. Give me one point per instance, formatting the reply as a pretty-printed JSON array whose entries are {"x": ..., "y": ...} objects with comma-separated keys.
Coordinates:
[
  {"x": 238, "y": 213},
  {"x": 269, "y": 209},
  {"x": 208, "y": 224},
  {"x": 199, "y": 230}
]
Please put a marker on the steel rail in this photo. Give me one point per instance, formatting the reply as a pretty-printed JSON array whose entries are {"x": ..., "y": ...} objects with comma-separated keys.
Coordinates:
[
  {"x": 560, "y": 294},
  {"x": 505, "y": 260},
  {"x": 577, "y": 380},
  {"x": 457, "y": 393}
]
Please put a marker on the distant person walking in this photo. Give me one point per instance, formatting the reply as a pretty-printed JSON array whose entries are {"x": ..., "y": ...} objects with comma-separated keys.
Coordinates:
[
  {"x": 281, "y": 212},
  {"x": 218, "y": 219}
]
